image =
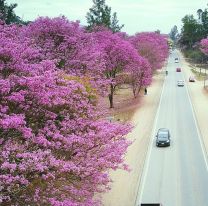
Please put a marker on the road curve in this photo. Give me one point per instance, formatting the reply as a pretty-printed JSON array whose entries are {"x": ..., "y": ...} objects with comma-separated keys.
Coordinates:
[{"x": 175, "y": 175}]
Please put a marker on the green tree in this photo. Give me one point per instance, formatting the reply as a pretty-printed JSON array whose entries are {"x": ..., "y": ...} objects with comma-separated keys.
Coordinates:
[
  {"x": 157, "y": 31},
  {"x": 199, "y": 13},
  {"x": 100, "y": 15},
  {"x": 174, "y": 33},
  {"x": 191, "y": 32},
  {"x": 114, "y": 23},
  {"x": 7, "y": 13},
  {"x": 204, "y": 22}
]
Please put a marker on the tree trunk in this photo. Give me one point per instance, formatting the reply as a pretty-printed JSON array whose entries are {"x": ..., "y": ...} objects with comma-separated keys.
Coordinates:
[
  {"x": 140, "y": 86},
  {"x": 134, "y": 92},
  {"x": 111, "y": 96}
]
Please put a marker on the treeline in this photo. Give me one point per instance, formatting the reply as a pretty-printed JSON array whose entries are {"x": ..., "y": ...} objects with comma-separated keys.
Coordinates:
[
  {"x": 194, "y": 29},
  {"x": 55, "y": 149}
]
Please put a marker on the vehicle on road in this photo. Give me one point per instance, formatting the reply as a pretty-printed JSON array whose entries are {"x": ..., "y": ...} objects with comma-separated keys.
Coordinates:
[
  {"x": 166, "y": 72},
  {"x": 180, "y": 83},
  {"x": 191, "y": 79},
  {"x": 163, "y": 137},
  {"x": 150, "y": 204},
  {"x": 176, "y": 60},
  {"x": 178, "y": 69}
]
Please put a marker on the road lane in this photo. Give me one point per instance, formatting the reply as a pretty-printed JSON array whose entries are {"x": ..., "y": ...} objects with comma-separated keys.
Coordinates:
[{"x": 176, "y": 175}]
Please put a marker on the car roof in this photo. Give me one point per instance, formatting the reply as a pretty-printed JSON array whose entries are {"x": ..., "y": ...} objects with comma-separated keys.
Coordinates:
[{"x": 163, "y": 130}]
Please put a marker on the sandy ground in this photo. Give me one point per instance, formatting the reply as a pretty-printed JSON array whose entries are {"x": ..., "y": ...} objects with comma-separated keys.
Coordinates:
[
  {"x": 199, "y": 99},
  {"x": 125, "y": 184}
]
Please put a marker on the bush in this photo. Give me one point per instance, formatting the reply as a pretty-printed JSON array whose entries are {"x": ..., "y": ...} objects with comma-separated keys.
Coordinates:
[{"x": 195, "y": 55}]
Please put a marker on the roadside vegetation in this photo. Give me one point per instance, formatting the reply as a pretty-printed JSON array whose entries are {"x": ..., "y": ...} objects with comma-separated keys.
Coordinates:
[
  {"x": 192, "y": 39},
  {"x": 55, "y": 146}
]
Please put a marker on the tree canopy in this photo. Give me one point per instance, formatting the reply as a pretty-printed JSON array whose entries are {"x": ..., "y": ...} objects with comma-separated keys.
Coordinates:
[
  {"x": 100, "y": 15},
  {"x": 7, "y": 13}
]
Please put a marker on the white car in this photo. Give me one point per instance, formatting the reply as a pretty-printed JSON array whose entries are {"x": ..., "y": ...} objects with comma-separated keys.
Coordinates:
[{"x": 180, "y": 83}]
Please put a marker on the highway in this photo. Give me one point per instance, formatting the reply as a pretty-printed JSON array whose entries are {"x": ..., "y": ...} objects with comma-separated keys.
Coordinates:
[{"x": 175, "y": 175}]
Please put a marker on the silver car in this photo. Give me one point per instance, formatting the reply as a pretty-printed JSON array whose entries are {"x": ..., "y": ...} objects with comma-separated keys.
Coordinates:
[{"x": 180, "y": 83}]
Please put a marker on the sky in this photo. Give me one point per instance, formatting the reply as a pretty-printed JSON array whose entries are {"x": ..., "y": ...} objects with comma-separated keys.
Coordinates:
[{"x": 136, "y": 15}]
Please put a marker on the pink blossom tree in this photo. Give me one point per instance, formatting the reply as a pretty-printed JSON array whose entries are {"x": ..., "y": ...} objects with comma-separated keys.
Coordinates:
[
  {"x": 204, "y": 46},
  {"x": 72, "y": 48},
  {"x": 54, "y": 148},
  {"x": 152, "y": 46},
  {"x": 119, "y": 57},
  {"x": 140, "y": 76}
]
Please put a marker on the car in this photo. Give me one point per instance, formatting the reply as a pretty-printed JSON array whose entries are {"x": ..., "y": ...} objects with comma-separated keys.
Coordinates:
[
  {"x": 191, "y": 79},
  {"x": 163, "y": 137},
  {"x": 180, "y": 83},
  {"x": 176, "y": 60},
  {"x": 150, "y": 204},
  {"x": 178, "y": 69}
]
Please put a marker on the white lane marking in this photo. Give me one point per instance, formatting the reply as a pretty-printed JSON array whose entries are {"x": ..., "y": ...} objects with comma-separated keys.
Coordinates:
[
  {"x": 146, "y": 165},
  {"x": 196, "y": 123}
]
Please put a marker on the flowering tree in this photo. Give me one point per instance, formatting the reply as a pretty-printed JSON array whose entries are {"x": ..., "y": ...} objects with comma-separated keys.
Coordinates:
[
  {"x": 140, "y": 76},
  {"x": 72, "y": 48},
  {"x": 54, "y": 149},
  {"x": 204, "y": 46},
  {"x": 152, "y": 46},
  {"x": 119, "y": 57}
]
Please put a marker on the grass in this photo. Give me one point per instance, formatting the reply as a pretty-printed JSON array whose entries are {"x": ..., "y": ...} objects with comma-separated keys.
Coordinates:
[{"x": 199, "y": 76}]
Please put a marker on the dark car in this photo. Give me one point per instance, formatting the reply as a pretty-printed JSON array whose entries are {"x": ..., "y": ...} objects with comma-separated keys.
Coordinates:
[
  {"x": 163, "y": 137},
  {"x": 176, "y": 60}
]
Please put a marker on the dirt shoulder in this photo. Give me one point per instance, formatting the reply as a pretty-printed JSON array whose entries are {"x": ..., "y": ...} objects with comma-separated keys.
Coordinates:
[
  {"x": 199, "y": 99},
  {"x": 125, "y": 184}
]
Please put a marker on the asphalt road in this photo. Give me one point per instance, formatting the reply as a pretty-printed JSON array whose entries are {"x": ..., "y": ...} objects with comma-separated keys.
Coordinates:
[{"x": 175, "y": 175}]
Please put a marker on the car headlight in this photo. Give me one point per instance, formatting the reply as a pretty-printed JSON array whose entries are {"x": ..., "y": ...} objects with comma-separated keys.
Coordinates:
[{"x": 168, "y": 141}]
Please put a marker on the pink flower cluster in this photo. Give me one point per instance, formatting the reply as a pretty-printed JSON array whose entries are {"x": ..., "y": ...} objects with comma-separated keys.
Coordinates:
[
  {"x": 204, "y": 46},
  {"x": 152, "y": 46}
]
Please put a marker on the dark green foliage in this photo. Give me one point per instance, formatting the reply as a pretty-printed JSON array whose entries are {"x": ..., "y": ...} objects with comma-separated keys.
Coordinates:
[
  {"x": 7, "y": 13},
  {"x": 191, "y": 31},
  {"x": 174, "y": 33},
  {"x": 114, "y": 23},
  {"x": 196, "y": 56},
  {"x": 157, "y": 31},
  {"x": 100, "y": 15},
  {"x": 199, "y": 13}
]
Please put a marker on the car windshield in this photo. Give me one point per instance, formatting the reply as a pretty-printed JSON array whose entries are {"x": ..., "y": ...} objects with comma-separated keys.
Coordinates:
[{"x": 163, "y": 135}]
